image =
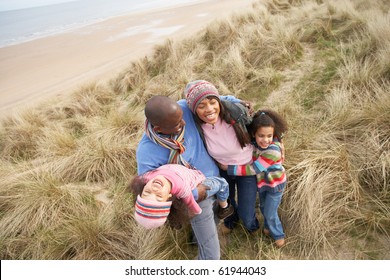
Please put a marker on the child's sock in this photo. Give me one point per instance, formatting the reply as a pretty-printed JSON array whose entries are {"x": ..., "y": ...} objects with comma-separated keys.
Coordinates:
[{"x": 226, "y": 205}]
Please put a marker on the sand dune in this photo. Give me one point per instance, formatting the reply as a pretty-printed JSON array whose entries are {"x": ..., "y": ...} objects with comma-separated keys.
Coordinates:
[{"x": 56, "y": 65}]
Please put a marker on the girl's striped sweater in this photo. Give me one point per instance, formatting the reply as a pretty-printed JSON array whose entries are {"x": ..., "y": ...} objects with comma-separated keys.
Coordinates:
[{"x": 266, "y": 165}]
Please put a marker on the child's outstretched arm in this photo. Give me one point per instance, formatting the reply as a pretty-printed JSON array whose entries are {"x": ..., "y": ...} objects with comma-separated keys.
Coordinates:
[
  {"x": 245, "y": 170},
  {"x": 267, "y": 158}
]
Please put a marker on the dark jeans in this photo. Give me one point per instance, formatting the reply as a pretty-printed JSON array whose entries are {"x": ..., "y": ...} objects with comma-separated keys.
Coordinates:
[{"x": 245, "y": 204}]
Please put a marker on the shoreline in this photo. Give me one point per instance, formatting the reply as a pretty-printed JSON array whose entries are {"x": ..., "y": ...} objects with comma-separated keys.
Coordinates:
[{"x": 34, "y": 71}]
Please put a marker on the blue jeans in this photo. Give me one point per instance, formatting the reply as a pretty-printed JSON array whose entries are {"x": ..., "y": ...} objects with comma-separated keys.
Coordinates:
[
  {"x": 205, "y": 230},
  {"x": 246, "y": 201},
  {"x": 269, "y": 204},
  {"x": 218, "y": 186}
]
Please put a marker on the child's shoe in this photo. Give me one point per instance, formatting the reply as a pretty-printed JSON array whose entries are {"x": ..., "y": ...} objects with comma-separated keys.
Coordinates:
[
  {"x": 223, "y": 213},
  {"x": 280, "y": 243}
]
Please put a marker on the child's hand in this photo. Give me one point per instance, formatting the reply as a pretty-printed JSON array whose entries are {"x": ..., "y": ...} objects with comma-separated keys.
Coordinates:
[{"x": 282, "y": 150}]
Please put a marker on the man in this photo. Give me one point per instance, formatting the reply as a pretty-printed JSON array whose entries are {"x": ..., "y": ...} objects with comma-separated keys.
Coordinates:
[{"x": 171, "y": 136}]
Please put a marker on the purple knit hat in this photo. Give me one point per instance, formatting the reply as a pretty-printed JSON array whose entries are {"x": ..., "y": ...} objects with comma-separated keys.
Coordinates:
[
  {"x": 196, "y": 91},
  {"x": 151, "y": 214}
]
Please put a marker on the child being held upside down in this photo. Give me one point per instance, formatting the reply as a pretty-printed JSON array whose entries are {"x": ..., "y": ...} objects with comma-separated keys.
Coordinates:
[{"x": 156, "y": 188}]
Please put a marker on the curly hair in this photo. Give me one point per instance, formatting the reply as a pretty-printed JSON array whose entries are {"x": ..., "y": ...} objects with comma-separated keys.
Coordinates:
[
  {"x": 268, "y": 117},
  {"x": 243, "y": 136},
  {"x": 178, "y": 215}
]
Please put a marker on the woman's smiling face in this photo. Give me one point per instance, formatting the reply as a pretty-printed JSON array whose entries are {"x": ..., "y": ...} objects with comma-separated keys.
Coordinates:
[{"x": 208, "y": 110}]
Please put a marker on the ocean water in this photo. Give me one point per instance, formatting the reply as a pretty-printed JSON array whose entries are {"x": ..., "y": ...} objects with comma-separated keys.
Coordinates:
[{"x": 26, "y": 20}]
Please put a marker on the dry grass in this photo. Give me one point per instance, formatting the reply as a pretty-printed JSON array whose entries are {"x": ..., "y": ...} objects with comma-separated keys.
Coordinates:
[{"x": 324, "y": 65}]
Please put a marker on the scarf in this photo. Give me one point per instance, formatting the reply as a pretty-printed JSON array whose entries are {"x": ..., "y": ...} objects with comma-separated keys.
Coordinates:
[{"x": 174, "y": 143}]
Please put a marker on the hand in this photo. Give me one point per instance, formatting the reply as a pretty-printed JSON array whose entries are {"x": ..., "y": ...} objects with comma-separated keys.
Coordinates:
[
  {"x": 282, "y": 150},
  {"x": 222, "y": 166},
  {"x": 202, "y": 194},
  {"x": 249, "y": 105}
]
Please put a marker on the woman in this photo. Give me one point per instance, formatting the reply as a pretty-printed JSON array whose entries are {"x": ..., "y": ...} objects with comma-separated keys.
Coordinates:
[{"x": 228, "y": 142}]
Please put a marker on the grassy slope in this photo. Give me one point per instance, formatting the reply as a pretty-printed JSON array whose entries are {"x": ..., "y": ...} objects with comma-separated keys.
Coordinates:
[{"x": 324, "y": 65}]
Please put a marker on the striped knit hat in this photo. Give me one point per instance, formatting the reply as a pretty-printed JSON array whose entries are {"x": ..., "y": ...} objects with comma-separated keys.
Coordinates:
[
  {"x": 196, "y": 91},
  {"x": 151, "y": 214}
]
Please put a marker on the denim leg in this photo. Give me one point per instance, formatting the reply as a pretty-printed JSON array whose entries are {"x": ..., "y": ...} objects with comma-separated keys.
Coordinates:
[
  {"x": 246, "y": 201},
  {"x": 205, "y": 230},
  {"x": 269, "y": 204},
  {"x": 218, "y": 186},
  {"x": 246, "y": 196},
  {"x": 261, "y": 206},
  {"x": 232, "y": 220}
]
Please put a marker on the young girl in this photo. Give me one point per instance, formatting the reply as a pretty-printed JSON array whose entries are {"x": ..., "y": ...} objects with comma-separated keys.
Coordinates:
[
  {"x": 228, "y": 142},
  {"x": 155, "y": 189},
  {"x": 266, "y": 128}
]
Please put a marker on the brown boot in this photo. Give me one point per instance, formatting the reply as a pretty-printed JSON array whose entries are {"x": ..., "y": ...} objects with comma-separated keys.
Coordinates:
[{"x": 223, "y": 213}]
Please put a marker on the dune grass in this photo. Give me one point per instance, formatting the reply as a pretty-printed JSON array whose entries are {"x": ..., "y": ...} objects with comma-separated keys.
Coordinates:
[{"x": 324, "y": 65}]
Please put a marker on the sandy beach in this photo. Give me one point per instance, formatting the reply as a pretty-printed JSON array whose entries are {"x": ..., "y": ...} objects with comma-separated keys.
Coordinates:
[{"x": 34, "y": 71}]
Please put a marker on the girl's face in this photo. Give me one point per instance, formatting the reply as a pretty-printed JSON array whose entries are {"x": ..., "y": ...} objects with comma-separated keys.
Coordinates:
[
  {"x": 264, "y": 136},
  {"x": 208, "y": 110},
  {"x": 157, "y": 189}
]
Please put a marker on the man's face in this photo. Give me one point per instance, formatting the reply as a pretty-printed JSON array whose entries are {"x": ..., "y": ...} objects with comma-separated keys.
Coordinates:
[{"x": 171, "y": 124}]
